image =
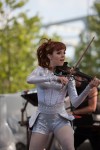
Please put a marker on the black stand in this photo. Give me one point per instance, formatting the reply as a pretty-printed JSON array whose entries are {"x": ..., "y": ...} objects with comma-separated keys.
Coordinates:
[{"x": 25, "y": 123}]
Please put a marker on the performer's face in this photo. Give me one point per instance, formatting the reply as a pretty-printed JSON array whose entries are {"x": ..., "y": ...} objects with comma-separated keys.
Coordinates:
[{"x": 57, "y": 58}]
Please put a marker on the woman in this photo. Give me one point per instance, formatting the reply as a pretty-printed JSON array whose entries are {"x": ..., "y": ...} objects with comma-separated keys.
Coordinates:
[
  {"x": 84, "y": 125},
  {"x": 51, "y": 115}
]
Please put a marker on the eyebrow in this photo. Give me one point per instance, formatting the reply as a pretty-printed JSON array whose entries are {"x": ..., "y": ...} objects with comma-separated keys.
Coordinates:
[{"x": 61, "y": 50}]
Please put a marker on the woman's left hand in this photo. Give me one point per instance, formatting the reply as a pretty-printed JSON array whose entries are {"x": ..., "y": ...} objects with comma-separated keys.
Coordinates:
[{"x": 95, "y": 82}]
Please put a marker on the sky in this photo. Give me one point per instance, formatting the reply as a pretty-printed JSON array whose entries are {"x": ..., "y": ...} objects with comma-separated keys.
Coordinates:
[
  {"x": 59, "y": 10},
  {"x": 56, "y": 10}
]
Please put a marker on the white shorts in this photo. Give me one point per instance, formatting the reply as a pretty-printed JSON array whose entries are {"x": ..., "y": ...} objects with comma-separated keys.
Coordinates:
[{"x": 46, "y": 123}]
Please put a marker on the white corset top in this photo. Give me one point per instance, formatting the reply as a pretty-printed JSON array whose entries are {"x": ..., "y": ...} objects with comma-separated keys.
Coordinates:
[{"x": 51, "y": 92}]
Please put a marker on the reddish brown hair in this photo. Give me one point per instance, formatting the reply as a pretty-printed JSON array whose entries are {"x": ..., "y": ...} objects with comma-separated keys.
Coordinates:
[{"x": 48, "y": 47}]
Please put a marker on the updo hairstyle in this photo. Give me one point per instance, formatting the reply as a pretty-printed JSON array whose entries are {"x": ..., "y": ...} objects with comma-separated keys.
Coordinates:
[{"x": 48, "y": 47}]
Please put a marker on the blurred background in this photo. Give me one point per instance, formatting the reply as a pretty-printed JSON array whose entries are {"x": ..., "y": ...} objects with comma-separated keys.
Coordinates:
[{"x": 22, "y": 24}]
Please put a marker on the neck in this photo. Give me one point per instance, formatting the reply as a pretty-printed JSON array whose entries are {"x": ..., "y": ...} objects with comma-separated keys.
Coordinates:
[{"x": 52, "y": 68}]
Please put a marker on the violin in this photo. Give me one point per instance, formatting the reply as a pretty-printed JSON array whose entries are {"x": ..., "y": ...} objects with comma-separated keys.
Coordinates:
[{"x": 65, "y": 71}]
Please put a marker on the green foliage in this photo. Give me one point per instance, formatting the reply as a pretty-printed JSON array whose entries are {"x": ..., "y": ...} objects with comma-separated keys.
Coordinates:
[
  {"x": 91, "y": 62},
  {"x": 19, "y": 38}
]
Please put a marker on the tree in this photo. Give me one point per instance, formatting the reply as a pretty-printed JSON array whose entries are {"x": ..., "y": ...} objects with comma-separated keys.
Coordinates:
[
  {"x": 19, "y": 37},
  {"x": 91, "y": 61},
  {"x": 16, "y": 41}
]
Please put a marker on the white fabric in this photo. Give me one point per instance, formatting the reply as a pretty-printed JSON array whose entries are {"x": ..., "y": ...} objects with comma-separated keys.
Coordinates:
[{"x": 50, "y": 92}]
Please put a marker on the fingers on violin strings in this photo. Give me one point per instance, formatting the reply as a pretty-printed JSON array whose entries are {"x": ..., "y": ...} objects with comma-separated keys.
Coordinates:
[{"x": 96, "y": 81}]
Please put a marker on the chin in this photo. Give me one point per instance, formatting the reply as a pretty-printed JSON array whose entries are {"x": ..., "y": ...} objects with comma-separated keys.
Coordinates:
[{"x": 60, "y": 64}]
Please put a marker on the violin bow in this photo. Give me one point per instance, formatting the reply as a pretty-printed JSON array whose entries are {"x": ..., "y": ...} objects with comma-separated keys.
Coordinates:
[{"x": 84, "y": 52}]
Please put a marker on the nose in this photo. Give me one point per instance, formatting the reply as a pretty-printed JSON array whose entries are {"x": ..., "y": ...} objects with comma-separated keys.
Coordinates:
[{"x": 63, "y": 55}]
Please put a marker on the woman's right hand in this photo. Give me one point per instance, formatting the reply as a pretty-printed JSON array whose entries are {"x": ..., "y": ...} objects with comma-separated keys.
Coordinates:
[{"x": 63, "y": 80}]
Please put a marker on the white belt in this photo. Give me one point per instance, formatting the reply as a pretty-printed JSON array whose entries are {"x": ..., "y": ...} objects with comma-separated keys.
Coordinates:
[{"x": 51, "y": 109}]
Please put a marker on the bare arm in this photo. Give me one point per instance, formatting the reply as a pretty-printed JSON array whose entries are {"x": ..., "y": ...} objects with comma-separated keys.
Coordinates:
[{"x": 92, "y": 102}]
